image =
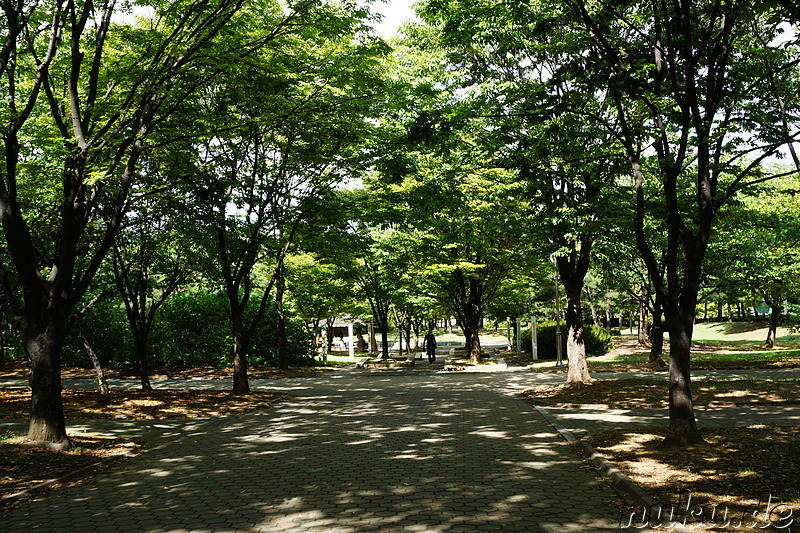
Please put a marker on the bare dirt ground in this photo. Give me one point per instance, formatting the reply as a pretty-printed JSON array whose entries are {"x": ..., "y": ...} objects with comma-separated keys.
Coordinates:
[{"x": 742, "y": 478}]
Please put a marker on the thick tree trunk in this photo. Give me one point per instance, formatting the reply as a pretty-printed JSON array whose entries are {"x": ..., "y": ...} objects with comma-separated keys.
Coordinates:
[
  {"x": 472, "y": 341},
  {"x": 329, "y": 334},
  {"x": 385, "y": 341},
  {"x": 471, "y": 319},
  {"x": 140, "y": 342},
  {"x": 47, "y": 412},
  {"x": 241, "y": 384},
  {"x": 577, "y": 370},
  {"x": 373, "y": 341},
  {"x": 682, "y": 424},
  {"x": 656, "y": 345},
  {"x": 241, "y": 344}
]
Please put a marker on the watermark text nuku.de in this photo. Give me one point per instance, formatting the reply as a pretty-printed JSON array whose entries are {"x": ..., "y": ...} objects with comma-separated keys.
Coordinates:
[{"x": 688, "y": 512}]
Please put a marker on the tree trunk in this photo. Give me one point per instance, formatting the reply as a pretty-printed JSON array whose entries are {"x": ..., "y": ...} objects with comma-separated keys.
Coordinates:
[
  {"x": 644, "y": 317},
  {"x": 382, "y": 319},
  {"x": 657, "y": 335},
  {"x": 102, "y": 383},
  {"x": 774, "y": 320},
  {"x": 573, "y": 268},
  {"x": 330, "y": 335},
  {"x": 472, "y": 341},
  {"x": 595, "y": 316},
  {"x": 373, "y": 342},
  {"x": 682, "y": 424},
  {"x": 140, "y": 341},
  {"x": 241, "y": 384},
  {"x": 47, "y": 412},
  {"x": 407, "y": 329},
  {"x": 471, "y": 318},
  {"x": 577, "y": 370},
  {"x": 385, "y": 341}
]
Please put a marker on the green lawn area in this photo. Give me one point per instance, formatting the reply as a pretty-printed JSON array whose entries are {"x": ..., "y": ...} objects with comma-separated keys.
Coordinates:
[{"x": 716, "y": 345}]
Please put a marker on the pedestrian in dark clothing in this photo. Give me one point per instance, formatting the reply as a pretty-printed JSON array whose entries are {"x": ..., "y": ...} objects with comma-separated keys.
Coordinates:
[{"x": 430, "y": 346}]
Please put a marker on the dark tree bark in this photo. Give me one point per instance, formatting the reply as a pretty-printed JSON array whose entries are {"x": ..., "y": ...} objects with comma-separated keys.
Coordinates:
[
  {"x": 466, "y": 301},
  {"x": 241, "y": 344},
  {"x": 47, "y": 422},
  {"x": 657, "y": 335},
  {"x": 643, "y": 338}
]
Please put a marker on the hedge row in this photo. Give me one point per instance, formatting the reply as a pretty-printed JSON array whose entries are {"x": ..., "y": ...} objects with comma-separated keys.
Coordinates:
[
  {"x": 597, "y": 339},
  {"x": 190, "y": 329}
]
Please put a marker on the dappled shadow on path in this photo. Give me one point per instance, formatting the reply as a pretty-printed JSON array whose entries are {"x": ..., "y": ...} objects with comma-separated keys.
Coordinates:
[{"x": 361, "y": 453}]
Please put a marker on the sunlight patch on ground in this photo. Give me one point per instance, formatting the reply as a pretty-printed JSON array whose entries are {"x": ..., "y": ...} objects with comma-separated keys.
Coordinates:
[{"x": 492, "y": 434}]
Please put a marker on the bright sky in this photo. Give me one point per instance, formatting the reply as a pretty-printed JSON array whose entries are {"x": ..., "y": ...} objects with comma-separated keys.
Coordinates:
[{"x": 394, "y": 12}]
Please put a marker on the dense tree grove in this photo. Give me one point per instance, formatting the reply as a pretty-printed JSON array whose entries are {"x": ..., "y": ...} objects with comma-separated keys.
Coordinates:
[{"x": 267, "y": 168}]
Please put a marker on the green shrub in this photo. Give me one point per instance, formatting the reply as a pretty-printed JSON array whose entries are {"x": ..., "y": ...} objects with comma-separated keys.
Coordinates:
[
  {"x": 597, "y": 339},
  {"x": 190, "y": 329},
  {"x": 106, "y": 327}
]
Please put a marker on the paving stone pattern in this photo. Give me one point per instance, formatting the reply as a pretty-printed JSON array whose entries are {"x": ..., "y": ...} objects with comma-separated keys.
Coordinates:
[{"x": 358, "y": 451}]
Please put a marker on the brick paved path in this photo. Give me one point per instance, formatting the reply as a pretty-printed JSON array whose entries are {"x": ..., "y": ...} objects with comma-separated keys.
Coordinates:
[{"x": 358, "y": 451}]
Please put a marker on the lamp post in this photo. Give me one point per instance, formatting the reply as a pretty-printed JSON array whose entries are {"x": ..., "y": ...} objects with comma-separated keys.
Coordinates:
[{"x": 559, "y": 360}]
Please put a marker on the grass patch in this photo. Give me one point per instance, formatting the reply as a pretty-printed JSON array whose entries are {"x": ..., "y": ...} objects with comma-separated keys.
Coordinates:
[{"x": 704, "y": 357}]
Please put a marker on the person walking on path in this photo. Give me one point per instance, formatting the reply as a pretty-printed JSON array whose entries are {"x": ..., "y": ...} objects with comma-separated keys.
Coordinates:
[{"x": 430, "y": 346}]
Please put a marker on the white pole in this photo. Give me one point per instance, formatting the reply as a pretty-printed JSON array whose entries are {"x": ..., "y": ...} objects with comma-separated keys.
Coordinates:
[
  {"x": 324, "y": 335},
  {"x": 559, "y": 361},
  {"x": 534, "y": 343},
  {"x": 508, "y": 332},
  {"x": 519, "y": 336},
  {"x": 350, "y": 347}
]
